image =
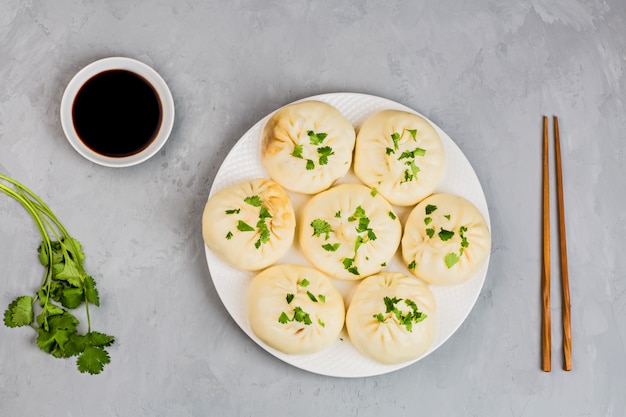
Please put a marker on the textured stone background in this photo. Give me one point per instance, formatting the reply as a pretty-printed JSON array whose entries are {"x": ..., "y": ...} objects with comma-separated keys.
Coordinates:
[{"x": 485, "y": 71}]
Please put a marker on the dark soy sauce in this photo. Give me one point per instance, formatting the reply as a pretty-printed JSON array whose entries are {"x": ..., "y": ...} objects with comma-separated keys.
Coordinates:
[{"x": 117, "y": 113}]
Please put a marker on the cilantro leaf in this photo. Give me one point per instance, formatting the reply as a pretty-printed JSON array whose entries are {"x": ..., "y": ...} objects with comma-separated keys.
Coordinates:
[
  {"x": 445, "y": 235},
  {"x": 321, "y": 227},
  {"x": 68, "y": 271},
  {"x": 72, "y": 297},
  {"x": 430, "y": 232},
  {"x": 412, "y": 265},
  {"x": 430, "y": 209},
  {"x": 392, "y": 215},
  {"x": 229, "y": 235},
  {"x": 297, "y": 151},
  {"x": 322, "y": 297},
  {"x": 244, "y": 227},
  {"x": 283, "y": 319},
  {"x": 233, "y": 211},
  {"x": 451, "y": 259},
  {"x": 428, "y": 220},
  {"x": 321, "y": 323},
  {"x": 60, "y": 328},
  {"x": 254, "y": 200},
  {"x": 413, "y": 133},
  {"x": 304, "y": 283},
  {"x": 374, "y": 192},
  {"x": 311, "y": 296},
  {"x": 20, "y": 312},
  {"x": 331, "y": 247},
  {"x": 324, "y": 152},
  {"x": 316, "y": 138},
  {"x": 395, "y": 137},
  {"x": 310, "y": 165},
  {"x": 92, "y": 360},
  {"x": 289, "y": 298}
]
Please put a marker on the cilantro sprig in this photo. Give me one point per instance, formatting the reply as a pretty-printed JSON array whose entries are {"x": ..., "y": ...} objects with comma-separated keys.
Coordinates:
[{"x": 65, "y": 286}]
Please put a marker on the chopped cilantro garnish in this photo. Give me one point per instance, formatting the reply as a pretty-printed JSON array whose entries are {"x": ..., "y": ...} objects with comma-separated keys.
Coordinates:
[
  {"x": 316, "y": 138},
  {"x": 229, "y": 235},
  {"x": 301, "y": 316},
  {"x": 338, "y": 214},
  {"x": 389, "y": 151},
  {"x": 374, "y": 192},
  {"x": 321, "y": 323},
  {"x": 363, "y": 226},
  {"x": 311, "y": 296},
  {"x": 310, "y": 165},
  {"x": 322, "y": 297},
  {"x": 393, "y": 216},
  {"x": 412, "y": 265},
  {"x": 331, "y": 247},
  {"x": 395, "y": 137},
  {"x": 430, "y": 232},
  {"x": 304, "y": 283},
  {"x": 445, "y": 235},
  {"x": 321, "y": 227},
  {"x": 289, "y": 298},
  {"x": 324, "y": 152},
  {"x": 451, "y": 259},
  {"x": 244, "y": 227},
  {"x": 283, "y": 319},
  {"x": 254, "y": 200},
  {"x": 406, "y": 319},
  {"x": 353, "y": 270},
  {"x": 413, "y": 133},
  {"x": 357, "y": 243},
  {"x": 297, "y": 151},
  {"x": 233, "y": 211},
  {"x": 264, "y": 213},
  {"x": 447, "y": 216},
  {"x": 428, "y": 220},
  {"x": 379, "y": 317},
  {"x": 430, "y": 208}
]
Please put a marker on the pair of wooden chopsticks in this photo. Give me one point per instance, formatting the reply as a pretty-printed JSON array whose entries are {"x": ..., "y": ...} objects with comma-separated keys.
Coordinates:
[{"x": 546, "y": 338}]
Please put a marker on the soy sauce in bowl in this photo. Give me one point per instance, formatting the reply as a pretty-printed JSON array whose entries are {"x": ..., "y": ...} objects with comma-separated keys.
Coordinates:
[{"x": 117, "y": 113}]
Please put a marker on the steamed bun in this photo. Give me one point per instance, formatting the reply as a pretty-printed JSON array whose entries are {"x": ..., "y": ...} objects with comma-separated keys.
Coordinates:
[
  {"x": 400, "y": 154},
  {"x": 349, "y": 231},
  {"x": 249, "y": 225},
  {"x": 391, "y": 318},
  {"x": 295, "y": 309},
  {"x": 446, "y": 240},
  {"x": 307, "y": 146}
]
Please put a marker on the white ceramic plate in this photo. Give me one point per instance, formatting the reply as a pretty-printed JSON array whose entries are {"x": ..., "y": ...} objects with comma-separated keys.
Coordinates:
[{"x": 341, "y": 359}]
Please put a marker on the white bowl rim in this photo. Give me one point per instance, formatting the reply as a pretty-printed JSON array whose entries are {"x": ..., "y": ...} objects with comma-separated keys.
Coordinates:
[{"x": 113, "y": 63}]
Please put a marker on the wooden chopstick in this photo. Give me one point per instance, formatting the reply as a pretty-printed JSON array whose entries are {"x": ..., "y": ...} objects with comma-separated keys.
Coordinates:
[
  {"x": 546, "y": 334},
  {"x": 567, "y": 331}
]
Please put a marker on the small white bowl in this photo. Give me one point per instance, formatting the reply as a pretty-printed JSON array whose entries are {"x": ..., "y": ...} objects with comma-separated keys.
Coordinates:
[{"x": 118, "y": 63}]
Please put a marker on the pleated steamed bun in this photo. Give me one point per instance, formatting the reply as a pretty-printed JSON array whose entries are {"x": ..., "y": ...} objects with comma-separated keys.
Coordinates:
[
  {"x": 391, "y": 318},
  {"x": 307, "y": 146},
  {"x": 400, "y": 154},
  {"x": 446, "y": 240},
  {"x": 249, "y": 225},
  {"x": 349, "y": 231},
  {"x": 295, "y": 309}
]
